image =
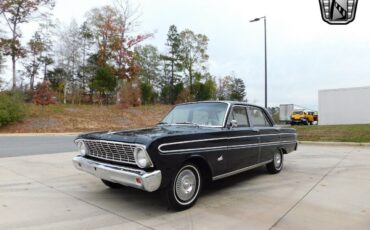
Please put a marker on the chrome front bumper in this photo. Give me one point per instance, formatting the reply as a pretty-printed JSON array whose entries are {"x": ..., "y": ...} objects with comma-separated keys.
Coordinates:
[{"x": 122, "y": 175}]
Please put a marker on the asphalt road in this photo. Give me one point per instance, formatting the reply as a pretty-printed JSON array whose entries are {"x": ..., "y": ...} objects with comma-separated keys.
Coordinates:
[
  {"x": 321, "y": 187},
  {"x": 13, "y": 146}
]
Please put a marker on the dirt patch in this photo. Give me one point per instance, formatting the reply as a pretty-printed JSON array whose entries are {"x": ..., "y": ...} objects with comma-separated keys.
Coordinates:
[{"x": 83, "y": 118}]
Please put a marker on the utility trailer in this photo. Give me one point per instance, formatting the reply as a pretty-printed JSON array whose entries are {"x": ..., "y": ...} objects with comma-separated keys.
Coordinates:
[{"x": 286, "y": 111}]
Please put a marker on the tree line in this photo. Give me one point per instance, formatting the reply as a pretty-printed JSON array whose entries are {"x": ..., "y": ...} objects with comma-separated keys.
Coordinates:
[{"x": 105, "y": 60}]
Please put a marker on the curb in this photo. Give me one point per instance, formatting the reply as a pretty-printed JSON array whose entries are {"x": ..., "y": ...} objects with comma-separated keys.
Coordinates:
[
  {"x": 36, "y": 134},
  {"x": 334, "y": 143}
]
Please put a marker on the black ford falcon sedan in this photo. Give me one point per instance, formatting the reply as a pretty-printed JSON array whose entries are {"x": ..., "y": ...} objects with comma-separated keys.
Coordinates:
[{"x": 194, "y": 143}]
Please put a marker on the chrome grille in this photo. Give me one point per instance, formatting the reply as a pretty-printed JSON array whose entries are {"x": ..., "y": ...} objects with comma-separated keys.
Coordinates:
[{"x": 112, "y": 151}]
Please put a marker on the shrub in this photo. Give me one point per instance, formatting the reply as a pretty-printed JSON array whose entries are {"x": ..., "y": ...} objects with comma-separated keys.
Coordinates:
[
  {"x": 43, "y": 95},
  {"x": 147, "y": 93},
  {"x": 104, "y": 82},
  {"x": 184, "y": 96},
  {"x": 12, "y": 108},
  {"x": 205, "y": 91},
  {"x": 130, "y": 94},
  {"x": 170, "y": 98}
]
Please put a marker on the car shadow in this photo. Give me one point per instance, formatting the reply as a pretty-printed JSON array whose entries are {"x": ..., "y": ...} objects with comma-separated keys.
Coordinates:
[{"x": 153, "y": 203}]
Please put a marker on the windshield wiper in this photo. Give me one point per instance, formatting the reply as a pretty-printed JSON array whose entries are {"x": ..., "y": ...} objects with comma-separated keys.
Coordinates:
[
  {"x": 187, "y": 123},
  {"x": 162, "y": 123}
]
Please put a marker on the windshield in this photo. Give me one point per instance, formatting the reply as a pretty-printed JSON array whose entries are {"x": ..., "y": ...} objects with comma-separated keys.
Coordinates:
[
  {"x": 202, "y": 114},
  {"x": 298, "y": 112}
]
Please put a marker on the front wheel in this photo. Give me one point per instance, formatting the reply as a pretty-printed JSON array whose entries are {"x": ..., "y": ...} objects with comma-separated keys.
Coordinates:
[
  {"x": 277, "y": 163},
  {"x": 184, "y": 190}
]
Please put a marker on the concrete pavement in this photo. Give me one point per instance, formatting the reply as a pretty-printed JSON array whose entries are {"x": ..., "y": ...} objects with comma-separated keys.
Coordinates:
[{"x": 321, "y": 187}]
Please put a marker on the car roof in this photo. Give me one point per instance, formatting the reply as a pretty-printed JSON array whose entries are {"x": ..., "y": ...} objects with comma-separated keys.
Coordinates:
[{"x": 222, "y": 101}]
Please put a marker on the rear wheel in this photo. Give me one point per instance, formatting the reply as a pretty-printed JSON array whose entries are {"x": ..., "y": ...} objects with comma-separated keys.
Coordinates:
[
  {"x": 184, "y": 190},
  {"x": 112, "y": 184},
  {"x": 277, "y": 163}
]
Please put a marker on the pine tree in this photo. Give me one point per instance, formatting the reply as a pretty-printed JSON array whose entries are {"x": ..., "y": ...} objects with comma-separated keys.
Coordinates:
[
  {"x": 173, "y": 43},
  {"x": 237, "y": 91}
]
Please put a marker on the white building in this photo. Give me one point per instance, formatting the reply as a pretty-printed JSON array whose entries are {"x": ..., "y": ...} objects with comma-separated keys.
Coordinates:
[{"x": 344, "y": 106}]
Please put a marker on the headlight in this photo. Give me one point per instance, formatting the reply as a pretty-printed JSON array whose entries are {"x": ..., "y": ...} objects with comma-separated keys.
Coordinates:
[
  {"x": 142, "y": 159},
  {"x": 82, "y": 147}
]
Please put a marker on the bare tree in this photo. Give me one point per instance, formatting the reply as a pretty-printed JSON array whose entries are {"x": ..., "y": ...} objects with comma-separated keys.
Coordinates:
[
  {"x": 32, "y": 64},
  {"x": 70, "y": 57},
  {"x": 2, "y": 61},
  {"x": 194, "y": 55},
  {"x": 15, "y": 13},
  {"x": 46, "y": 31},
  {"x": 87, "y": 42}
]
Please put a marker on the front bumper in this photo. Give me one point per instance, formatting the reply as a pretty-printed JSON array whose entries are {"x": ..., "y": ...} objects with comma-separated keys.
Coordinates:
[
  {"x": 298, "y": 121},
  {"x": 136, "y": 178}
]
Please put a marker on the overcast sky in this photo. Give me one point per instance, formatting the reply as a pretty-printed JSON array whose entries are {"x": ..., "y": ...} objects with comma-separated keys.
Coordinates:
[{"x": 305, "y": 54}]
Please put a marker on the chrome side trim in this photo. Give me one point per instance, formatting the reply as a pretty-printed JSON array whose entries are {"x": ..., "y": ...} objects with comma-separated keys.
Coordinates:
[
  {"x": 240, "y": 170},
  {"x": 212, "y": 139},
  {"x": 197, "y": 125},
  {"x": 208, "y": 149},
  {"x": 227, "y": 113},
  {"x": 262, "y": 144}
]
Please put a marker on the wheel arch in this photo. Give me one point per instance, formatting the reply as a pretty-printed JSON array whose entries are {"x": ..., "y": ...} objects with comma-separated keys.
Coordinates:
[
  {"x": 283, "y": 150},
  {"x": 203, "y": 165}
]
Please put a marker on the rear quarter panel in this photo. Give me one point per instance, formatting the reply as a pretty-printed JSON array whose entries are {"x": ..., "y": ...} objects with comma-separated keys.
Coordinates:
[{"x": 288, "y": 138}]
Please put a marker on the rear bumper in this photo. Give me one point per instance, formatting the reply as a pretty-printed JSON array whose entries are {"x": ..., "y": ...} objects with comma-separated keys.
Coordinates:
[{"x": 136, "y": 178}]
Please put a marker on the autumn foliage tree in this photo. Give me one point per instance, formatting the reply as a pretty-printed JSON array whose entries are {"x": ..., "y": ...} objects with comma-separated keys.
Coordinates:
[
  {"x": 43, "y": 95},
  {"x": 113, "y": 28},
  {"x": 102, "y": 58}
]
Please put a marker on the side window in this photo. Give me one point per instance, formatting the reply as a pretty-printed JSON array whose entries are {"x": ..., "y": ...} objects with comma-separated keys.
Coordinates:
[
  {"x": 257, "y": 117},
  {"x": 239, "y": 114}
]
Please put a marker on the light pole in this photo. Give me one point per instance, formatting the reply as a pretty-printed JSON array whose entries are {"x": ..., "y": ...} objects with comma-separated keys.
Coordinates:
[{"x": 264, "y": 19}]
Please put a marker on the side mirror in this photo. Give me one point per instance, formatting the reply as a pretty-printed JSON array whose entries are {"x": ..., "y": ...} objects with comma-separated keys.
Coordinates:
[{"x": 233, "y": 124}]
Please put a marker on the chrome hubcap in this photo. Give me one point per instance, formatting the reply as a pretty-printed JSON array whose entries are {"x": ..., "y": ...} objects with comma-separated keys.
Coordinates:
[
  {"x": 277, "y": 160},
  {"x": 186, "y": 184}
]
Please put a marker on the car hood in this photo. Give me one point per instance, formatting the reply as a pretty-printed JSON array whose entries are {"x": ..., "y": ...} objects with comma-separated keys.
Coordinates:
[{"x": 144, "y": 136}]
